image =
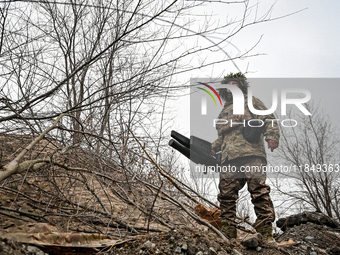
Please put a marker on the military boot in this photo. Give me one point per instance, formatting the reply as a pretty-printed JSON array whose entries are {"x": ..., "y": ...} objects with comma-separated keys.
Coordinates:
[
  {"x": 266, "y": 230},
  {"x": 228, "y": 229}
]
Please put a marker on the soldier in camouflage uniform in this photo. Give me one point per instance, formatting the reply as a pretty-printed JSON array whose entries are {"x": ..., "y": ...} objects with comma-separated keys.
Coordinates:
[{"x": 238, "y": 152}]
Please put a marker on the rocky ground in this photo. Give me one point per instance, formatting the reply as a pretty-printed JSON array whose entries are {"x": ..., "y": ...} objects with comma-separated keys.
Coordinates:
[
  {"x": 312, "y": 239},
  {"x": 304, "y": 239},
  {"x": 56, "y": 211},
  {"x": 9, "y": 247},
  {"x": 191, "y": 243}
]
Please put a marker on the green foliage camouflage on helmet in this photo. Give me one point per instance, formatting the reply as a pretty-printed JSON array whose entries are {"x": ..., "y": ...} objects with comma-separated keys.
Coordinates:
[{"x": 240, "y": 78}]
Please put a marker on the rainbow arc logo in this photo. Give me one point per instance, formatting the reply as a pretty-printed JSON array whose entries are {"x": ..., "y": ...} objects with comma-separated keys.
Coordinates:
[{"x": 209, "y": 93}]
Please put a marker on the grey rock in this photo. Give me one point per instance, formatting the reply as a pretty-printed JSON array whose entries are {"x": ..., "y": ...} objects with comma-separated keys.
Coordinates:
[
  {"x": 309, "y": 238},
  {"x": 192, "y": 250},
  {"x": 186, "y": 238},
  {"x": 31, "y": 248},
  {"x": 252, "y": 241},
  {"x": 321, "y": 251},
  {"x": 313, "y": 253},
  {"x": 178, "y": 250},
  {"x": 184, "y": 247},
  {"x": 199, "y": 253},
  {"x": 304, "y": 247},
  {"x": 258, "y": 248},
  {"x": 34, "y": 250},
  {"x": 236, "y": 252},
  {"x": 212, "y": 251},
  {"x": 222, "y": 253},
  {"x": 149, "y": 245}
]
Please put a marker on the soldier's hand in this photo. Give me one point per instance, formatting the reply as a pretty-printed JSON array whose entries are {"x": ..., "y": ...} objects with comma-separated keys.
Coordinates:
[
  {"x": 272, "y": 145},
  {"x": 212, "y": 151}
]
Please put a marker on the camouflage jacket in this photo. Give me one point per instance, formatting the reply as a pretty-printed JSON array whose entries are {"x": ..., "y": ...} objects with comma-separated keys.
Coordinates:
[{"x": 230, "y": 138}]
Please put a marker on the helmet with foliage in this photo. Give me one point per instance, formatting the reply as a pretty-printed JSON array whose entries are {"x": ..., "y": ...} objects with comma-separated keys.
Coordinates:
[{"x": 241, "y": 80}]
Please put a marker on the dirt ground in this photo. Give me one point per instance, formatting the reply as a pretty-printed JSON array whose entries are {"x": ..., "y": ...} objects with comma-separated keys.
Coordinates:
[
  {"x": 179, "y": 241},
  {"x": 306, "y": 239},
  {"x": 190, "y": 243}
]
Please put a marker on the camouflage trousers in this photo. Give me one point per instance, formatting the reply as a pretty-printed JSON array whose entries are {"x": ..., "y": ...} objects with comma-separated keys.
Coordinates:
[{"x": 232, "y": 182}]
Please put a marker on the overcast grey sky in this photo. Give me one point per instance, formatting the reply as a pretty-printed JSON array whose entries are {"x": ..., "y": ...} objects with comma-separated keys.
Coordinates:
[{"x": 304, "y": 45}]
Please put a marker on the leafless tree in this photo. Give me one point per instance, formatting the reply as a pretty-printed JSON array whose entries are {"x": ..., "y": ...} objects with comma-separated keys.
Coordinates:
[
  {"x": 313, "y": 147},
  {"x": 82, "y": 100},
  {"x": 109, "y": 65}
]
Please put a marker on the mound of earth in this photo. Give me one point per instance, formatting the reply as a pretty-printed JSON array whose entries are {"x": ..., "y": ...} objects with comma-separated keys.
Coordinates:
[
  {"x": 312, "y": 239},
  {"x": 302, "y": 218}
]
